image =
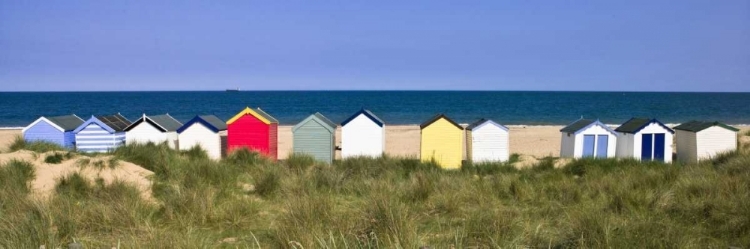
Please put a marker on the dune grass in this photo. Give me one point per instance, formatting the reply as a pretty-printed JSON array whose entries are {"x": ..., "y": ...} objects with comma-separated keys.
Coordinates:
[
  {"x": 36, "y": 146},
  {"x": 248, "y": 201}
]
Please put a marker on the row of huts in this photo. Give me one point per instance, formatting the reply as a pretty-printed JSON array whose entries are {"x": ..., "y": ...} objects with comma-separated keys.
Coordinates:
[{"x": 363, "y": 134}]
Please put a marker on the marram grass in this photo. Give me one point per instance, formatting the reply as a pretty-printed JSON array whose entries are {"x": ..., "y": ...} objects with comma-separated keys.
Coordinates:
[{"x": 247, "y": 201}]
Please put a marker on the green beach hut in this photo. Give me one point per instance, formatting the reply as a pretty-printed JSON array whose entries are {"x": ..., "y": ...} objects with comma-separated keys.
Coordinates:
[{"x": 315, "y": 136}]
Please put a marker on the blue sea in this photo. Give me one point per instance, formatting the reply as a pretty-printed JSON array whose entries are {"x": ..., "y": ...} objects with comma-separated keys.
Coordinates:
[{"x": 394, "y": 107}]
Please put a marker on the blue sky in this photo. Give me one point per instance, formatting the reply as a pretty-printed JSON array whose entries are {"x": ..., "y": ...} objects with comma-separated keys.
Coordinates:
[{"x": 375, "y": 45}]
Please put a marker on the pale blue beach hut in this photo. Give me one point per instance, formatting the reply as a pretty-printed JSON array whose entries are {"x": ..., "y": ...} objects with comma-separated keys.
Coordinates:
[{"x": 57, "y": 130}]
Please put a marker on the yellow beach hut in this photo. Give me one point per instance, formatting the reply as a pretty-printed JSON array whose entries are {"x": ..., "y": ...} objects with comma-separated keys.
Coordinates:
[{"x": 441, "y": 141}]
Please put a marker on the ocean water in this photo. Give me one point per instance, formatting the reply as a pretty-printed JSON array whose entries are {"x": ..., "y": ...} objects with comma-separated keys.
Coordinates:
[{"x": 394, "y": 107}]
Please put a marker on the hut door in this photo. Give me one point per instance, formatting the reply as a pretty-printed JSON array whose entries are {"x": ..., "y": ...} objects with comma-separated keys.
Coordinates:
[
  {"x": 601, "y": 146},
  {"x": 659, "y": 147},
  {"x": 647, "y": 146},
  {"x": 588, "y": 145}
]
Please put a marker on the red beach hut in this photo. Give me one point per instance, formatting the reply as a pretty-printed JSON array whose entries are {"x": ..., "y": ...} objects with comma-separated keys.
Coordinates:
[{"x": 253, "y": 129}]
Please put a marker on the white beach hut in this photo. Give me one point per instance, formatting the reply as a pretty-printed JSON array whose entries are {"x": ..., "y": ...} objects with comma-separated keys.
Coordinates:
[
  {"x": 362, "y": 134},
  {"x": 644, "y": 139},
  {"x": 487, "y": 141},
  {"x": 205, "y": 131},
  {"x": 156, "y": 129},
  {"x": 588, "y": 138},
  {"x": 698, "y": 140}
]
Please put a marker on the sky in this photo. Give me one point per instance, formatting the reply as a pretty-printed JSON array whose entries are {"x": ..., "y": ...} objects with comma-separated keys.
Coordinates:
[{"x": 553, "y": 45}]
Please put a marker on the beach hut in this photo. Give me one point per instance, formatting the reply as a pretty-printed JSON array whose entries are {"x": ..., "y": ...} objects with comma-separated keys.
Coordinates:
[
  {"x": 644, "y": 139},
  {"x": 442, "y": 141},
  {"x": 101, "y": 133},
  {"x": 156, "y": 129},
  {"x": 698, "y": 140},
  {"x": 57, "y": 130},
  {"x": 487, "y": 141},
  {"x": 588, "y": 138},
  {"x": 205, "y": 131},
  {"x": 362, "y": 134},
  {"x": 315, "y": 136},
  {"x": 255, "y": 130}
]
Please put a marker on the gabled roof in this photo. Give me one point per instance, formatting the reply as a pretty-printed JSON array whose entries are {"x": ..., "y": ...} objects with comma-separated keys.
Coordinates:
[
  {"x": 61, "y": 123},
  {"x": 438, "y": 117},
  {"x": 266, "y": 116},
  {"x": 210, "y": 121},
  {"x": 164, "y": 122},
  {"x": 67, "y": 122},
  {"x": 368, "y": 114},
  {"x": 117, "y": 122},
  {"x": 634, "y": 125},
  {"x": 583, "y": 124},
  {"x": 257, "y": 113},
  {"x": 483, "y": 121},
  {"x": 696, "y": 126},
  {"x": 325, "y": 122}
]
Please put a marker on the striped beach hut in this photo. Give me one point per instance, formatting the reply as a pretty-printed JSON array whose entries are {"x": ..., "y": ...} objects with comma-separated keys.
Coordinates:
[
  {"x": 253, "y": 129},
  {"x": 442, "y": 141},
  {"x": 156, "y": 129},
  {"x": 101, "y": 133},
  {"x": 362, "y": 134},
  {"x": 205, "y": 131},
  {"x": 487, "y": 141},
  {"x": 588, "y": 138},
  {"x": 57, "y": 130},
  {"x": 699, "y": 140},
  {"x": 644, "y": 139},
  {"x": 315, "y": 136}
]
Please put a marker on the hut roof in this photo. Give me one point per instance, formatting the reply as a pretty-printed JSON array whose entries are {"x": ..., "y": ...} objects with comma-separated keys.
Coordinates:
[
  {"x": 164, "y": 122},
  {"x": 67, "y": 122},
  {"x": 327, "y": 123},
  {"x": 482, "y": 121},
  {"x": 368, "y": 114},
  {"x": 582, "y": 124},
  {"x": 210, "y": 121},
  {"x": 634, "y": 125},
  {"x": 117, "y": 122},
  {"x": 257, "y": 113},
  {"x": 696, "y": 126},
  {"x": 438, "y": 117}
]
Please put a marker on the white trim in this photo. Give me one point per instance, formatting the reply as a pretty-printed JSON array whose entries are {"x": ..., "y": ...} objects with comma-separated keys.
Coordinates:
[{"x": 40, "y": 120}]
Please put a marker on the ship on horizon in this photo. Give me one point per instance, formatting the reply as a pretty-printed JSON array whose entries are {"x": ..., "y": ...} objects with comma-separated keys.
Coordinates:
[{"x": 233, "y": 90}]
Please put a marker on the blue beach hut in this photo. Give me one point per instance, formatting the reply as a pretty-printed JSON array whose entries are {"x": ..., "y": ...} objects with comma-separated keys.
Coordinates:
[
  {"x": 101, "y": 133},
  {"x": 57, "y": 130}
]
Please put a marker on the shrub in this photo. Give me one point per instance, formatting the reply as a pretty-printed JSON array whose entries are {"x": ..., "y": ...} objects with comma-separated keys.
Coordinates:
[{"x": 54, "y": 158}]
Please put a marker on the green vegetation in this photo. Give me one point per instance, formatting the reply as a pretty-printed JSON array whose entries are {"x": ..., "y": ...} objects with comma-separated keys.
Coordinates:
[
  {"x": 54, "y": 158},
  {"x": 37, "y": 146},
  {"x": 248, "y": 201}
]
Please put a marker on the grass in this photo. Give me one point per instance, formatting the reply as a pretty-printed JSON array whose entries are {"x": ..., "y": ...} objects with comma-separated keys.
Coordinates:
[
  {"x": 36, "y": 146},
  {"x": 249, "y": 201}
]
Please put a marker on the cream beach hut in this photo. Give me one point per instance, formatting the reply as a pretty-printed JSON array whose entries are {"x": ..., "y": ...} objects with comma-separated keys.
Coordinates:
[
  {"x": 698, "y": 140},
  {"x": 156, "y": 129},
  {"x": 644, "y": 139},
  {"x": 487, "y": 141},
  {"x": 205, "y": 131},
  {"x": 362, "y": 134},
  {"x": 587, "y": 138}
]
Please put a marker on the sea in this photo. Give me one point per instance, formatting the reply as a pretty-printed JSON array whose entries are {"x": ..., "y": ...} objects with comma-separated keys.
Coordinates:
[{"x": 18, "y": 109}]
